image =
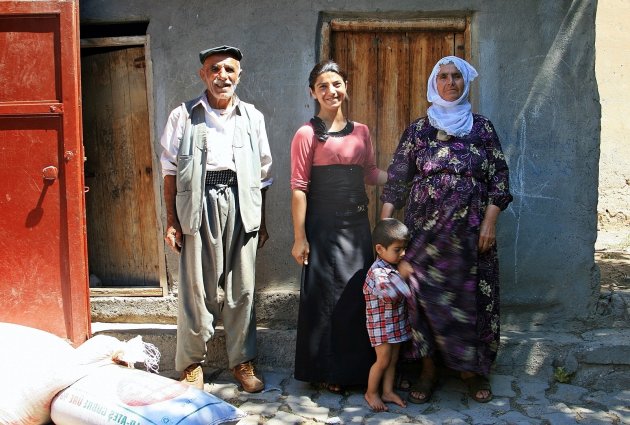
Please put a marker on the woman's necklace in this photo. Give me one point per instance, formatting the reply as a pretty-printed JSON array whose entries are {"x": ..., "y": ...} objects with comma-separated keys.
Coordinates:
[{"x": 321, "y": 129}]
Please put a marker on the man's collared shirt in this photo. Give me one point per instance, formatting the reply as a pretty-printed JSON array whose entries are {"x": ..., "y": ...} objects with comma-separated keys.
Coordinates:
[{"x": 220, "y": 125}]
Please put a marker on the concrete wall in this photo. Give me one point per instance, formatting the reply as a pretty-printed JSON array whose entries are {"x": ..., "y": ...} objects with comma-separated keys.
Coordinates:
[
  {"x": 537, "y": 84},
  {"x": 613, "y": 77}
]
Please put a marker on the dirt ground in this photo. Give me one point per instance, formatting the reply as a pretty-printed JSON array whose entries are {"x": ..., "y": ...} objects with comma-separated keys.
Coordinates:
[
  {"x": 615, "y": 269},
  {"x": 612, "y": 254}
]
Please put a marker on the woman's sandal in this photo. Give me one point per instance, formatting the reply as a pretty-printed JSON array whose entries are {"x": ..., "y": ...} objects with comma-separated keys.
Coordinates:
[
  {"x": 333, "y": 388},
  {"x": 402, "y": 383},
  {"x": 478, "y": 383},
  {"x": 424, "y": 386}
]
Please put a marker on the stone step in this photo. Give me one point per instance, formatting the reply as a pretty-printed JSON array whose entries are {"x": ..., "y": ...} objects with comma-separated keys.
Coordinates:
[
  {"x": 275, "y": 347},
  {"x": 598, "y": 358},
  {"x": 274, "y": 309}
]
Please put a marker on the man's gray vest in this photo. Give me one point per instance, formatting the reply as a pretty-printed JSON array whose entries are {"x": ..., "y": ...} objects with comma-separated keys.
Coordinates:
[{"x": 191, "y": 169}]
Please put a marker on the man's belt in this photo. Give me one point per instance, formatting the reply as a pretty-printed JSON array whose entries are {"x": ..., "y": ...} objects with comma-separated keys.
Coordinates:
[{"x": 221, "y": 178}]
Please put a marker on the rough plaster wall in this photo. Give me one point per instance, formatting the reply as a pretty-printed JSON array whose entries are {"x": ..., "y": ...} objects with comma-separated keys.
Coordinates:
[
  {"x": 537, "y": 85},
  {"x": 550, "y": 135},
  {"x": 611, "y": 66}
]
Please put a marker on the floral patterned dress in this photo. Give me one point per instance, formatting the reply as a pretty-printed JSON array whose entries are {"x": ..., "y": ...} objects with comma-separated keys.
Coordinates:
[{"x": 446, "y": 186}]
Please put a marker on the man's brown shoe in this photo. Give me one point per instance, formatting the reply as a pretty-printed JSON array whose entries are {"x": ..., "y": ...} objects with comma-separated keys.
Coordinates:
[
  {"x": 246, "y": 376},
  {"x": 193, "y": 376}
]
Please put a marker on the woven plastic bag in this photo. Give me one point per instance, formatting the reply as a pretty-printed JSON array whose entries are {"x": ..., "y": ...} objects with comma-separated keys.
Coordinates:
[{"x": 117, "y": 394}]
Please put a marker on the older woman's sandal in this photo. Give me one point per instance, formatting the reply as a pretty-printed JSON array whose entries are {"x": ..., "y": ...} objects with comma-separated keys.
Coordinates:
[
  {"x": 423, "y": 386},
  {"x": 478, "y": 383},
  {"x": 402, "y": 383}
]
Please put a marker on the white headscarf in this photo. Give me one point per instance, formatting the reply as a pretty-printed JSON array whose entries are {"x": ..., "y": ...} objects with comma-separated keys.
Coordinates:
[{"x": 455, "y": 117}]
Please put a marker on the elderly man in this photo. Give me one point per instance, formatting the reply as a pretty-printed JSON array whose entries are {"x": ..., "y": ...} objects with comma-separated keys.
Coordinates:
[{"x": 216, "y": 162}]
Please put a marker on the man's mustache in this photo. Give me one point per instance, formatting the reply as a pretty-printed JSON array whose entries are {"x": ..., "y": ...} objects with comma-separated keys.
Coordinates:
[{"x": 222, "y": 83}]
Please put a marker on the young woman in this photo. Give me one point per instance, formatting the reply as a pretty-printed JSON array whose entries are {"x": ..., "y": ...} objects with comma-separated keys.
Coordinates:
[{"x": 331, "y": 160}]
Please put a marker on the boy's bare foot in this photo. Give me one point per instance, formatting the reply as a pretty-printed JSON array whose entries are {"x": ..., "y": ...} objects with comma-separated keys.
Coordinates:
[
  {"x": 393, "y": 398},
  {"x": 375, "y": 402}
]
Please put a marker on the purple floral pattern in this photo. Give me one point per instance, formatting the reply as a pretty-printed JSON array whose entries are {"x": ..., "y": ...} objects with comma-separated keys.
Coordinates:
[{"x": 446, "y": 186}]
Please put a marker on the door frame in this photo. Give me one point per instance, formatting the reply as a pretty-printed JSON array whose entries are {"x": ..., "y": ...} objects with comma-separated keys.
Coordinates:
[
  {"x": 333, "y": 22},
  {"x": 162, "y": 289}
]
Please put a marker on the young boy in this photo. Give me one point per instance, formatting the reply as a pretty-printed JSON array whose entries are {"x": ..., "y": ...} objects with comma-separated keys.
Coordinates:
[{"x": 386, "y": 311}]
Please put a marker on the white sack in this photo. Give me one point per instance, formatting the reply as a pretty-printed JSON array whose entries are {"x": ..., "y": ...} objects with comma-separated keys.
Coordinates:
[
  {"x": 34, "y": 366},
  {"x": 116, "y": 394}
]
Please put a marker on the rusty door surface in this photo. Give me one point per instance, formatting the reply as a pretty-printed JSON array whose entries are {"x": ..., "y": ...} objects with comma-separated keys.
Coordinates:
[
  {"x": 43, "y": 267},
  {"x": 388, "y": 65}
]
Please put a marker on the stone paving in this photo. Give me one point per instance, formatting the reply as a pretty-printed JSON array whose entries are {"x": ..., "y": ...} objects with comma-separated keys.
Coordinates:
[{"x": 517, "y": 400}]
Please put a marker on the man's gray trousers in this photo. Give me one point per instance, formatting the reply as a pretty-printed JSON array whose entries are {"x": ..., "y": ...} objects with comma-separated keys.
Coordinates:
[{"x": 216, "y": 280}]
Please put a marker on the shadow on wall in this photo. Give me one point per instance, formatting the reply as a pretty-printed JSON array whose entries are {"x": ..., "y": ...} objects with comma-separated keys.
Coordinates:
[{"x": 548, "y": 233}]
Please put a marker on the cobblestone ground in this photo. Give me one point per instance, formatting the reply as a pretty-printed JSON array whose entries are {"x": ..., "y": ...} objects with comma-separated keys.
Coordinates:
[{"x": 517, "y": 400}]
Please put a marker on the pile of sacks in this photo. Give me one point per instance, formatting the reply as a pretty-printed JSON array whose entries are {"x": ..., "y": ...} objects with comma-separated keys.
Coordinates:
[{"x": 43, "y": 378}]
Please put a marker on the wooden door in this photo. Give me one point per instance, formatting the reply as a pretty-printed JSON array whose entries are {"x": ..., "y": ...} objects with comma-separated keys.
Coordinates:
[
  {"x": 43, "y": 271},
  {"x": 388, "y": 64},
  {"x": 124, "y": 242}
]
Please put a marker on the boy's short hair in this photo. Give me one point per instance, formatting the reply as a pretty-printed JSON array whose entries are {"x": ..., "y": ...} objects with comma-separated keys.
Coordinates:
[{"x": 388, "y": 231}]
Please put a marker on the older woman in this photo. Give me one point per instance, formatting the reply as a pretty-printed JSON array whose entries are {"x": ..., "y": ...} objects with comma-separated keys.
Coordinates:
[
  {"x": 450, "y": 172},
  {"x": 331, "y": 160}
]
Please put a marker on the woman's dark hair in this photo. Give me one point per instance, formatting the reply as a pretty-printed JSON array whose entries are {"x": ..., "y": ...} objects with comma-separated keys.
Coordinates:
[
  {"x": 388, "y": 231},
  {"x": 325, "y": 66}
]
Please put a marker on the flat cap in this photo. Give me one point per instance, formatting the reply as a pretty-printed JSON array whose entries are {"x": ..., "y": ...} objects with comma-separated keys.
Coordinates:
[{"x": 229, "y": 50}]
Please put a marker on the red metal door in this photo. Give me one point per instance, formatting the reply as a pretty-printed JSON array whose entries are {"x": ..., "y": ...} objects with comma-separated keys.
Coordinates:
[{"x": 43, "y": 260}]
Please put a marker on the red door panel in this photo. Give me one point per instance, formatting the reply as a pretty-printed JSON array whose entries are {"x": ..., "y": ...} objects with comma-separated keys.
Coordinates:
[
  {"x": 20, "y": 35},
  {"x": 43, "y": 262}
]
